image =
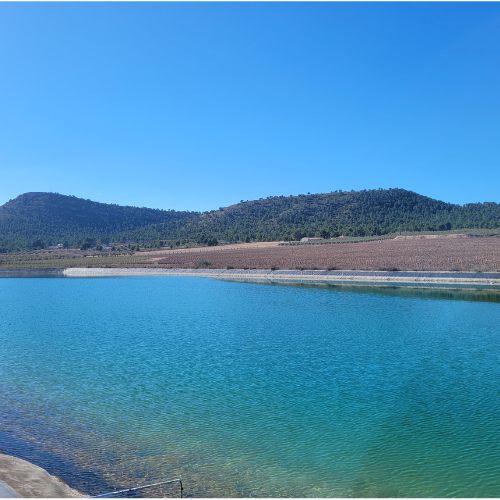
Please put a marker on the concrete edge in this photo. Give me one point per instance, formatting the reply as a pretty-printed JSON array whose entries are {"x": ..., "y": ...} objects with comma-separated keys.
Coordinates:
[
  {"x": 375, "y": 278},
  {"x": 27, "y": 480},
  {"x": 7, "y": 492}
]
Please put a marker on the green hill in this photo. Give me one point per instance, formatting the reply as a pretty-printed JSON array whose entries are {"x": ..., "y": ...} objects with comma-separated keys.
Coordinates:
[
  {"x": 48, "y": 218},
  {"x": 52, "y": 218},
  {"x": 354, "y": 213}
]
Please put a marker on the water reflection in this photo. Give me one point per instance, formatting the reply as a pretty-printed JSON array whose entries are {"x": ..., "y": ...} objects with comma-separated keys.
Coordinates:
[
  {"x": 437, "y": 292},
  {"x": 32, "y": 273}
]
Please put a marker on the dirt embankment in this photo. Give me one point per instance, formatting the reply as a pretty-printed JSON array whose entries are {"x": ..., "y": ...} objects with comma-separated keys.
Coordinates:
[
  {"x": 235, "y": 246},
  {"x": 430, "y": 236}
]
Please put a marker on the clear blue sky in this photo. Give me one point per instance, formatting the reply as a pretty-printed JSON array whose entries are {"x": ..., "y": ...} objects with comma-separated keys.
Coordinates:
[{"x": 194, "y": 106}]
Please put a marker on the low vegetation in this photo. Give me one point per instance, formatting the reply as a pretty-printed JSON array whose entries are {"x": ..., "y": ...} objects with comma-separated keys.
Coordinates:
[{"x": 38, "y": 260}]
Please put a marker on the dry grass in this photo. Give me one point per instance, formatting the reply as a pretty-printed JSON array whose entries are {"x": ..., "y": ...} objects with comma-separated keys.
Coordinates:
[
  {"x": 64, "y": 259},
  {"x": 439, "y": 254}
]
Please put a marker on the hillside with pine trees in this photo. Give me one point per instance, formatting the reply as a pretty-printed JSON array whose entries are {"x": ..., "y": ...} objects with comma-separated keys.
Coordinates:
[{"x": 35, "y": 220}]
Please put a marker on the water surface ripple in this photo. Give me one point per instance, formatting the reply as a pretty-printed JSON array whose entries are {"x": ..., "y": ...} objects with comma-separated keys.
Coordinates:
[{"x": 249, "y": 390}]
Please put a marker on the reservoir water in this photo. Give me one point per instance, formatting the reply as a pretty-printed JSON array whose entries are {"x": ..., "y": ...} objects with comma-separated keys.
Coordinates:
[{"x": 245, "y": 389}]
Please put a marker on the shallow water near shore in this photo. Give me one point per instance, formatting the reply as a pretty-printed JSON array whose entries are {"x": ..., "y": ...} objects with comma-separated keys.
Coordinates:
[{"x": 242, "y": 389}]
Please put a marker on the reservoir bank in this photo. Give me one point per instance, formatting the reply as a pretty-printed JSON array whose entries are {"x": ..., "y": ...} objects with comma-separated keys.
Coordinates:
[
  {"x": 22, "y": 479},
  {"x": 313, "y": 277}
]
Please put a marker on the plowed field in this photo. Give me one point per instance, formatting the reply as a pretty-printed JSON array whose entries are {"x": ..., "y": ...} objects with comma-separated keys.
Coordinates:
[{"x": 439, "y": 254}]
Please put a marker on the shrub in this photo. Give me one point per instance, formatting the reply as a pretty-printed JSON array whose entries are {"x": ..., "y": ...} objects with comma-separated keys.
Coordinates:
[{"x": 201, "y": 263}]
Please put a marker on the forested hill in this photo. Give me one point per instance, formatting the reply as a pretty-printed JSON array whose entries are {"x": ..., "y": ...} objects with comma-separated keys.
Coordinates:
[
  {"x": 354, "y": 213},
  {"x": 49, "y": 218}
]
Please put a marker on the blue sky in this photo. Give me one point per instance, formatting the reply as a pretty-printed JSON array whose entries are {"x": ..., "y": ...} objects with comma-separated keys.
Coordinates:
[{"x": 193, "y": 106}]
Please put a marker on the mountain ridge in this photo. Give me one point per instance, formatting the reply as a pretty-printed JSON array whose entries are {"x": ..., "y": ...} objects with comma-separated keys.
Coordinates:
[{"x": 51, "y": 218}]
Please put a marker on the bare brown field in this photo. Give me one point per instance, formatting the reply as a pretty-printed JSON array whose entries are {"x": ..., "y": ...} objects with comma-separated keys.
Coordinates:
[
  {"x": 411, "y": 254},
  {"x": 232, "y": 246},
  {"x": 437, "y": 254}
]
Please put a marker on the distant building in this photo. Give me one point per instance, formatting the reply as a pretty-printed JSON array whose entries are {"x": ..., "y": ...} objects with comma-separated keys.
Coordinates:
[{"x": 311, "y": 239}]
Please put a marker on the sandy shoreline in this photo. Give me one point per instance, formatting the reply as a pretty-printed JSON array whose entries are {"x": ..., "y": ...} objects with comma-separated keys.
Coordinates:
[
  {"x": 26, "y": 480},
  {"x": 375, "y": 278}
]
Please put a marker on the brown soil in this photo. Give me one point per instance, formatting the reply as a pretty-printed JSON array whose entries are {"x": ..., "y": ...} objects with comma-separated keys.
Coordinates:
[
  {"x": 436, "y": 254},
  {"x": 235, "y": 246}
]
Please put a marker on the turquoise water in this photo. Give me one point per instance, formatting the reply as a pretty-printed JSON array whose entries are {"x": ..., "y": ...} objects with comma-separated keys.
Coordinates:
[{"x": 244, "y": 389}]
